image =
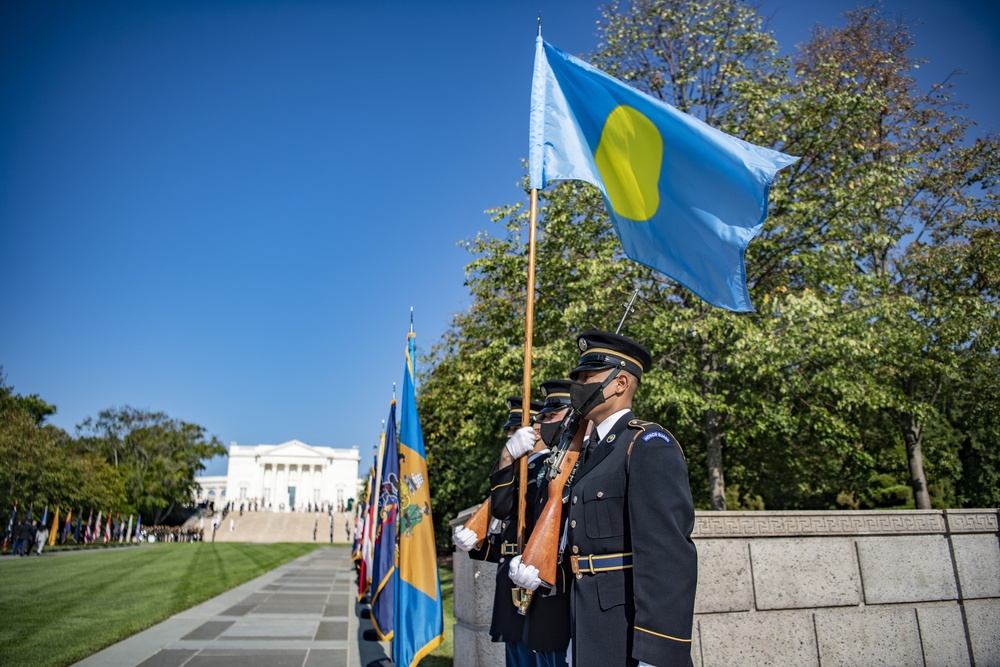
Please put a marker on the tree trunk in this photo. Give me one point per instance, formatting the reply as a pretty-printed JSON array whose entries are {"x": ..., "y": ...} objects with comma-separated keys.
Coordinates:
[
  {"x": 711, "y": 427},
  {"x": 713, "y": 448},
  {"x": 913, "y": 435}
]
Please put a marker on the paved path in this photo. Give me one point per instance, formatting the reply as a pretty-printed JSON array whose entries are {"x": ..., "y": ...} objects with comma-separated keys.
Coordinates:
[{"x": 302, "y": 614}]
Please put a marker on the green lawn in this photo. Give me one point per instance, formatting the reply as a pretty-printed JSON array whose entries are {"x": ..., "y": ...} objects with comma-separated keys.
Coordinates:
[
  {"x": 443, "y": 655},
  {"x": 57, "y": 610}
]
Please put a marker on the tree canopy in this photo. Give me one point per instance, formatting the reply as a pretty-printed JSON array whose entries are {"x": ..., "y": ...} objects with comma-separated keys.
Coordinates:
[
  {"x": 125, "y": 461},
  {"x": 866, "y": 377}
]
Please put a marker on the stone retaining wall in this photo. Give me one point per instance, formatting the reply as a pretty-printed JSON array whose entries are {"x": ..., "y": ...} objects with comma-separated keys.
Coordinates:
[{"x": 816, "y": 588}]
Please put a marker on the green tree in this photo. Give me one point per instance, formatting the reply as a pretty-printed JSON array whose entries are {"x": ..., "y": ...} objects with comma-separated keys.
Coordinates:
[
  {"x": 156, "y": 457},
  {"x": 875, "y": 278},
  {"x": 39, "y": 465}
]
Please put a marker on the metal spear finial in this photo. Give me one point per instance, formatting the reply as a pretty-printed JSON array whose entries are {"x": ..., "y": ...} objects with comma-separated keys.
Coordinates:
[{"x": 628, "y": 309}]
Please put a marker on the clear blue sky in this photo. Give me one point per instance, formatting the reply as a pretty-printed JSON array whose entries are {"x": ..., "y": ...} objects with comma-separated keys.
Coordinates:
[{"x": 225, "y": 210}]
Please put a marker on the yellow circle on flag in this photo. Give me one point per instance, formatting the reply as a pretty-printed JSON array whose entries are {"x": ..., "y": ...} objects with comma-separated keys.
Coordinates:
[{"x": 629, "y": 157}]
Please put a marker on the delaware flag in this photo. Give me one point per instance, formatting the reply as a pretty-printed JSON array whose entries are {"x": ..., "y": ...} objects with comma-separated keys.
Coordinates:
[
  {"x": 684, "y": 198},
  {"x": 384, "y": 557},
  {"x": 419, "y": 615}
]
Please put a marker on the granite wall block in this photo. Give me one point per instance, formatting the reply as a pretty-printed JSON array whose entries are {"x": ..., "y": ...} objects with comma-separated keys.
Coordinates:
[
  {"x": 758, "y": 638},
  {"x": 869, "y": 637},
  {"x": 942, "y": 634},
  {"x": 801, "y": 573},
  {"x": 723, "y": 577},
  {"x": 906, "y": 568},
  {"x": 977, "y": 558}
]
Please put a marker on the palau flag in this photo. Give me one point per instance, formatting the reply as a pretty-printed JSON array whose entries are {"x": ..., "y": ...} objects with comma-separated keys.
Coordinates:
[
  {"x": 419, "y": 613},
  {"x": 384, "y": 555},
  {"x": 684, "y": 198}
]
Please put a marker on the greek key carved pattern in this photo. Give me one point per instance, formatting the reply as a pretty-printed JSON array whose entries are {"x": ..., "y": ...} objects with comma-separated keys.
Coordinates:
[
  {"x": 798, "y": 524},
  {"x": 972, "y": 521}
]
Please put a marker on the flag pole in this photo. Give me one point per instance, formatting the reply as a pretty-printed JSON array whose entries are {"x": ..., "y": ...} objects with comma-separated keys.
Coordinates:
[{"x": 522, "y": 598}]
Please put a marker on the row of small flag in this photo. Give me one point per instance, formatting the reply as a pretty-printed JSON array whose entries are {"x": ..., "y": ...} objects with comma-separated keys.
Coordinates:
[
  {"x": 394, "y": 535},
  {"x": 89, "y": 532}
]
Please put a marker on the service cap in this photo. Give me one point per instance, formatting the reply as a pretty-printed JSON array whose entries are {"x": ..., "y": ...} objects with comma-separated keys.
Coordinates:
[
  {"x": 514, "y": 405},
  {"x": 556, "y": 393},
  {"x": 602, "y": 349}
]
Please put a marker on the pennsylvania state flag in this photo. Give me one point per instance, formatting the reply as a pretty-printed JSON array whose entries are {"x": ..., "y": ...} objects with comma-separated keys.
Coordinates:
[
  {"x": 384, "y": 557},
  {"x": 684, "y": 198},
  {"x": 419, "y": 613}
]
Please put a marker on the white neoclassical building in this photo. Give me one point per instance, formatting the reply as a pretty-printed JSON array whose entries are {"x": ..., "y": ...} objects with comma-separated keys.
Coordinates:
[{"x": 290, "y": 475}]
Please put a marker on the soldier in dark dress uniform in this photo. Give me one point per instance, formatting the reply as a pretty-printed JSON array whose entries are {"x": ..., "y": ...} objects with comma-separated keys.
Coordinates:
[
  {"x": 546, "y": 628},
  {"x": 508, "y": 624},
  {"x": 630, "y": 517}
]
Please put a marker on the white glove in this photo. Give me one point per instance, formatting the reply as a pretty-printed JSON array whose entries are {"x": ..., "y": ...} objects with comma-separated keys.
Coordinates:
[
  {"x": 569, "y": 653},
  {"x": 525, "y": 576},
  {"x": 464, "y": 538},
  {"x": 644, "y": 664},
  {"x": 521, "y": 443}
]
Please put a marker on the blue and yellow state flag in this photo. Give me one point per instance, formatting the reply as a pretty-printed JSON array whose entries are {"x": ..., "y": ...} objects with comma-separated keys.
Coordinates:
[
  {"x": 419, "y": 613},
  {"x": 684, "y": 198},
  {"x": 384, "y": 556}
]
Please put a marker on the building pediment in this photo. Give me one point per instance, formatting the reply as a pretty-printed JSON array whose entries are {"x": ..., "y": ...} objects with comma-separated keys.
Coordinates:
[{"x": 294, "y": 449}]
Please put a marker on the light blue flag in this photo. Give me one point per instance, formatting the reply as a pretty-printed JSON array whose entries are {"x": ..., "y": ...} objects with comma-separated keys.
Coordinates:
[
  {"x": 419, "y": 613},
  {"x": 684, "y": 198}
]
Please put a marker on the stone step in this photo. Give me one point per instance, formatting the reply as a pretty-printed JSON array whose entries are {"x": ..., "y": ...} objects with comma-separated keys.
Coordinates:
[{"x": 269, "y": 527}]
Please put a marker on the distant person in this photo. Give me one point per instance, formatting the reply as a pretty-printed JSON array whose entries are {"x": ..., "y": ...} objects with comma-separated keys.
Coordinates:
[
  {"x": 315, "y": 529},
  {"x": 232, "y": 524},
  {"x": 40, "y": 538},
  {"x": 20, "y": 538}
]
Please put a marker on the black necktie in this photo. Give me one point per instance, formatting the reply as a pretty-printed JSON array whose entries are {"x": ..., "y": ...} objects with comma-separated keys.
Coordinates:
[{"x": 592, "y": 444}]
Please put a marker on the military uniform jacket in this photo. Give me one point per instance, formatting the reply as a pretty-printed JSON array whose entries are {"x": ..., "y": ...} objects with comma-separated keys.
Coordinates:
[
  {"x": 546, "y": 627},
  {"x": 634, "y": 502},
  {"x": 508, "y": 624}
]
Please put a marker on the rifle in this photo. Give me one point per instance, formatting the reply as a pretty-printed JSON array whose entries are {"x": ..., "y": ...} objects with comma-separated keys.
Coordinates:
[
  {"x": 479, "y": 522},
  {"x": 542, "y": 551}
]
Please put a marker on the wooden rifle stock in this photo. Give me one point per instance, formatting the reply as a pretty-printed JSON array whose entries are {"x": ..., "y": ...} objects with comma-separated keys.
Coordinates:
[
  {"x": 479, "y": 522},
  {"x": 542, "y": 551}
]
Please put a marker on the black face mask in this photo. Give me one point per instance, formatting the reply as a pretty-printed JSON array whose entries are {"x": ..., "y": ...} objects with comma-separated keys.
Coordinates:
[
  {"x": 550, "y": 433},
  {"x": 586, "y": 397}
]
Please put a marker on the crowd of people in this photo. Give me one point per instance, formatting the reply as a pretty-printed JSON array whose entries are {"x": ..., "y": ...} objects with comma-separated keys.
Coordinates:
[{"x": 27, "y": 537}]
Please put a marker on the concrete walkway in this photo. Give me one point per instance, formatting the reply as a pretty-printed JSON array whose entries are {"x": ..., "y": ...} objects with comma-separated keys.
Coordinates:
[{"x": 302, "y": 614}]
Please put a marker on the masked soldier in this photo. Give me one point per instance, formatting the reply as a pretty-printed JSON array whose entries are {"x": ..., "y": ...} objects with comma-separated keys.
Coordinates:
[
  {"x": 630, "y": 517},
  {"x": 546, "y": 628},
  {"x": 508, "y": 624}
]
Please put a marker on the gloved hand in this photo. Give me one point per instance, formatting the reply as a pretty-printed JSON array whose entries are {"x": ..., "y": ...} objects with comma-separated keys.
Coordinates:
[
  {"x": 521, "y": 443},
  {"x": 569, "y": 653},
  {"x": 464, "y": 538},
  {"x": 525, "y": 576},
  {"x": 644, "y": 664}
]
